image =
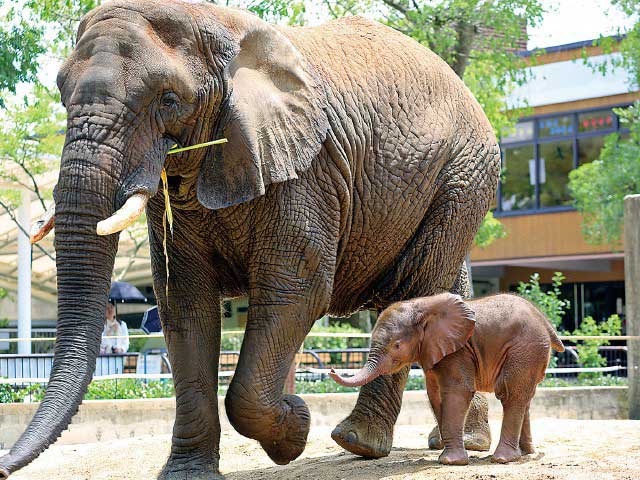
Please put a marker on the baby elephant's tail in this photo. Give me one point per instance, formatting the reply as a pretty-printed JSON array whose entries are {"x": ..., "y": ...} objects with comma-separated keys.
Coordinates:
[{"x": 556, "y": 343}]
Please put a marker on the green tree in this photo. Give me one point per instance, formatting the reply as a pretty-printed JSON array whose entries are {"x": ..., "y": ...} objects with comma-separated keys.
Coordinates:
[
  {"x": 549, "y": 301},
  {"x": 480, "y": 40},
  {"x": 490, "y": 231},
  {"x": 599, "y": 187},
  {"x": 30, "y": 144}
]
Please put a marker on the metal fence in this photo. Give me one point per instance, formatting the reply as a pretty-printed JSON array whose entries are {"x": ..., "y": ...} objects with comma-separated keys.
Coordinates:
[{"x": 313, "y": 364}]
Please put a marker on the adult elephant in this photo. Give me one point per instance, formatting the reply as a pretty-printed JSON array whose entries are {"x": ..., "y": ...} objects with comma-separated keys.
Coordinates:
[{"x": 357, "y": 170}]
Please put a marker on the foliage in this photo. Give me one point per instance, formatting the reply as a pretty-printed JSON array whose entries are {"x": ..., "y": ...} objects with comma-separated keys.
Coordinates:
[
  {"x": 490, "y": 231},
  {"x": 31, "y": 139},
  {"x": 478, "y": 39},
  {"x": 588, "y": 349},
  {"x": 599, "y": 187},
  {"x": 596, "y": 381},
  {"x": 231, "y": 342},
  {"x": 18, "y": 394},
  {"x": 129, "y": 388},
  {"x": 549, "y": 302},
  {"x": 30, "y": 145}
]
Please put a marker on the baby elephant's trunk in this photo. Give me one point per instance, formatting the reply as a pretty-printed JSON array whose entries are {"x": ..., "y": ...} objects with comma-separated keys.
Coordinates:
[{"x": 365, "y": 375}]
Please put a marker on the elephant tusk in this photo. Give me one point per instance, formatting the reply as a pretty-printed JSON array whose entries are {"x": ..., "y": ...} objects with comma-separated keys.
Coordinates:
[
  {"x": 43, "y": 225},
  {"x": 124, "y": 217}
]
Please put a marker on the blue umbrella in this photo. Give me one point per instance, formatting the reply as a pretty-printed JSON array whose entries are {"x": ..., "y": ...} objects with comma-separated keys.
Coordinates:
[
  {"x": 123, "y": 292},
  {"x": 151, "y": 321}
]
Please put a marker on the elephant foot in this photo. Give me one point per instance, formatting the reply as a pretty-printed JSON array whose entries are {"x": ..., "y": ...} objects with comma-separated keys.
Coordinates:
[
  {"x": 435, "y": 440},
  {"x": 478, "y": 441},
  {"x": 293, "y": 430},
  {"x": 454, "y": 456},
  {"x": 527, "y": 448},
  {"x": 184, "y": 472},
  {"x": 363, "y": 437},
  {"x": 505, "y": 454}
]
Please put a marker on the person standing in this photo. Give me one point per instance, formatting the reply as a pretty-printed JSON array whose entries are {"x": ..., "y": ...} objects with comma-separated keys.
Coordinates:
[{"x": 114, "y": 327}]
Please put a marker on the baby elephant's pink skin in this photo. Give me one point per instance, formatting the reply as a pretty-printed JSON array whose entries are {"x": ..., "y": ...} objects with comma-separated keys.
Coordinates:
[{"x": 500, "y": 344}]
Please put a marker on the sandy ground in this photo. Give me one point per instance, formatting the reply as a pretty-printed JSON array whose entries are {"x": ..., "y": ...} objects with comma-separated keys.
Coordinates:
[{"x": 567, "y": 449}]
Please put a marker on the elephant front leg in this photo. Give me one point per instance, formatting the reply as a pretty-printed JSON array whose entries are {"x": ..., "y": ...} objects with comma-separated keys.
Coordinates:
[
  {"x": 191, "y": 326},
  {"x": 255, "y": 404}
]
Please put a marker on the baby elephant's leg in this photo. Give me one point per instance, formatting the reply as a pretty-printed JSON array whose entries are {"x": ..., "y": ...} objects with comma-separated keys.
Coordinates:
[
  {"x": 508, "y": 449},
  {"x": 514, "y": 388},
  {"x": 433, "y": 392},
  {"x": 455, "y": 404},
  {"x": 526, "y": 443}
]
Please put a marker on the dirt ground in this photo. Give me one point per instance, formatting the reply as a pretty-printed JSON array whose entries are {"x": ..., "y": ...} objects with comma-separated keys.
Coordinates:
[{"x": 567, "y": 449}]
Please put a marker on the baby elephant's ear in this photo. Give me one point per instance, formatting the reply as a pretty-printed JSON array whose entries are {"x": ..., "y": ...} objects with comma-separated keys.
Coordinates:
[{"x": 448, "y": 323}]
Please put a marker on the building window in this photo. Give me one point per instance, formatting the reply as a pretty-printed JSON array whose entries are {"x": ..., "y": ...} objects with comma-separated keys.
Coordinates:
[
  {"x": 539, "y": 153},
  {"x": 518, "y": 189},
  {"x": 555, "y": 161}
]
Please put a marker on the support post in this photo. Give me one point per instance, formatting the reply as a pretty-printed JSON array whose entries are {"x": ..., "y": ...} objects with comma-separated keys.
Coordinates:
[
  {"x": 24, "y": 274},
  {"x": 632, "y": 296}
]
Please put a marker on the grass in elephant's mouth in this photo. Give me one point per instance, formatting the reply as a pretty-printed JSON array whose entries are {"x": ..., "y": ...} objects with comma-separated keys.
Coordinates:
[{"x": 166, "y": 218}]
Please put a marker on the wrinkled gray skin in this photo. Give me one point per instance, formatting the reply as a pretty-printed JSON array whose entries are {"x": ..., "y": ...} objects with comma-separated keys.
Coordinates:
[{"x": 357, "y": 172}]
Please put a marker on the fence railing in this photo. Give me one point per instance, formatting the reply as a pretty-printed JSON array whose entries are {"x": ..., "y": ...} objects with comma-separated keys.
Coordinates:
[{"x": 313, "y": 364}]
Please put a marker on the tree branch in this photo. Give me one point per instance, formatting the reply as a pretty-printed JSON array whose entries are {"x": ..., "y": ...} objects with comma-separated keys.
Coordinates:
[
  {"x": 396, "y": 6},
  {"x": 15, "y": 220}
]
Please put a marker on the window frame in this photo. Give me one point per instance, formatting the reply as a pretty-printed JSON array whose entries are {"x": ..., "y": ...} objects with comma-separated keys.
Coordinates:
[{"x": 536, "y": 141}]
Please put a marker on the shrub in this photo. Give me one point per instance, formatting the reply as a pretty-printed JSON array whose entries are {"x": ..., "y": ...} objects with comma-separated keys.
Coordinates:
[
  {"x": 588, "y": 349},
  {"x": 549, "y": 302}
]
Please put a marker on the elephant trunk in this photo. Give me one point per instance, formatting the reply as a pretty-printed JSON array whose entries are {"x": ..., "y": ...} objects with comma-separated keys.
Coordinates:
[
  {"x": 366, "y": 374},
  {"x": 84, "y": 261}
]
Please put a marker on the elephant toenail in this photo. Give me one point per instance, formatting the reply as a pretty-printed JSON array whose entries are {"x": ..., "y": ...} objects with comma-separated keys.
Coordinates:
[{"x": 351, "y": 437}]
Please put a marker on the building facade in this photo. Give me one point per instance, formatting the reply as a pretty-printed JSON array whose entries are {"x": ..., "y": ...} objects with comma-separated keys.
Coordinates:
[{"x": 572, "y": 112}]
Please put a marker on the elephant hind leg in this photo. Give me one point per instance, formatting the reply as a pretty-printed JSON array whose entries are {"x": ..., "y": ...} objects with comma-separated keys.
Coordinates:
[{"x": 526, "y": 442}]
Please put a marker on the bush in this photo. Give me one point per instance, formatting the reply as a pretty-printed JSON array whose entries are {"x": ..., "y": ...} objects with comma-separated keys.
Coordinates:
[
  {"x": 588, "y": 349},
  {"x": 548, "y": 302},
  {"x": 18, "y": 394},
  {"x": 598, "y": 381}
]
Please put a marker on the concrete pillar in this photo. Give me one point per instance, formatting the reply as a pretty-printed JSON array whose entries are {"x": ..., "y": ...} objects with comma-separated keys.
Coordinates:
[
  {"x": 24, "y": 274},
  {"x": 632, "y": 294}
]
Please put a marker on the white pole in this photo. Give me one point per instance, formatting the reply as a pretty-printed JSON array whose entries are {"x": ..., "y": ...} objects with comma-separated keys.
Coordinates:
[{"x": 24, "y": 274}]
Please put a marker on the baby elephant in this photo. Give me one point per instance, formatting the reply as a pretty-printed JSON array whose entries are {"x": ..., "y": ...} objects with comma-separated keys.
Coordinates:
[{"x": 507, "y": 353}]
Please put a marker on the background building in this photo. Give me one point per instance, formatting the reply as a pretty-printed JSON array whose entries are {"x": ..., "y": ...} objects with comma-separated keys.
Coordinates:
[{"x": 572, "y": 114}]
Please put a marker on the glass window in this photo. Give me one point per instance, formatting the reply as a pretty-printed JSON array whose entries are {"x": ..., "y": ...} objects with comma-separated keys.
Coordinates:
[
  {"x": 589, "y": 149},
  {"x": 595, "y": 121},
  {"x": 523, "y": 131},
  {"x": 556, "y": 161},
  {"x": 555, "y": 126},
  {"x": 518, "y": 189}
]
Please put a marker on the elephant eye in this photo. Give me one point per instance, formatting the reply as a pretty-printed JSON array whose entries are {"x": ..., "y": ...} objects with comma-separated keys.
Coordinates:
[
  {"x": 170, "y": 100},
  {"x": 398, "y": 345}
]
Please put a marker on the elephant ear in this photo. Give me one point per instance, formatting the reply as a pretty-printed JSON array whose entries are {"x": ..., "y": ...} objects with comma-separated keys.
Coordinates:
[
  {"x": 448, "y": 323},
  {"x": 274, "y": 121}
]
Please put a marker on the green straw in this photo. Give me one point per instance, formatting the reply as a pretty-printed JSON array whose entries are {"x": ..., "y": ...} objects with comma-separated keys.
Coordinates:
[{"x": 199, "y": 145}]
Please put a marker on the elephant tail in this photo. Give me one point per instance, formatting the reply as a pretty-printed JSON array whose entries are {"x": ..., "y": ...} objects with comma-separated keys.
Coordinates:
[{"x": 556, "y": 343}]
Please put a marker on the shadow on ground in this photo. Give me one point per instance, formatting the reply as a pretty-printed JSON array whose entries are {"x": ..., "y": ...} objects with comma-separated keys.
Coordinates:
[{"x": 400, "y": 463}]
